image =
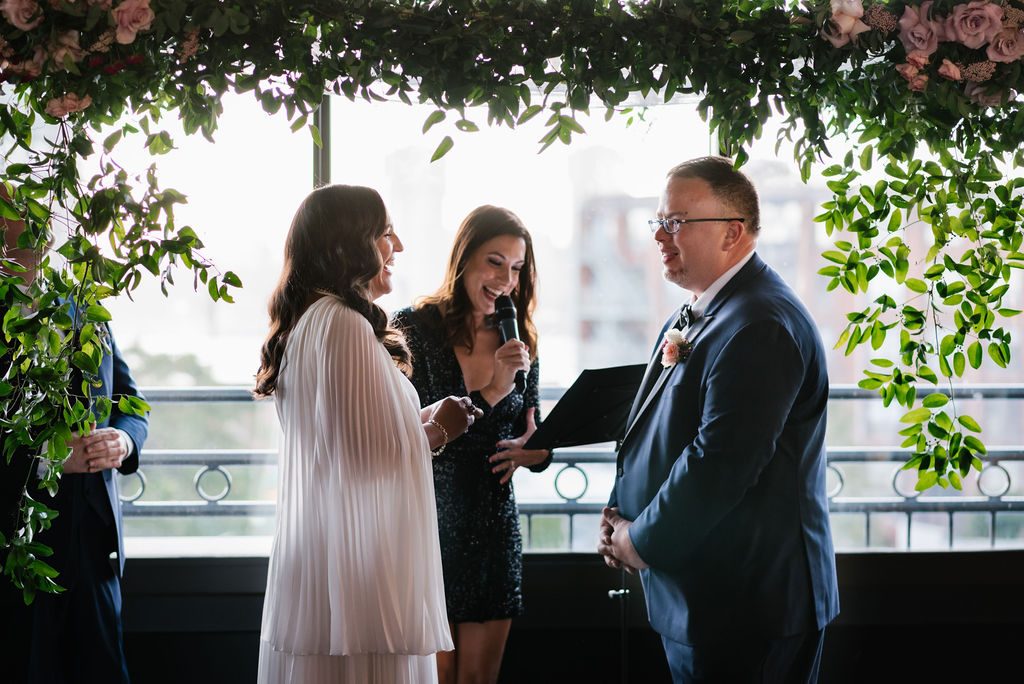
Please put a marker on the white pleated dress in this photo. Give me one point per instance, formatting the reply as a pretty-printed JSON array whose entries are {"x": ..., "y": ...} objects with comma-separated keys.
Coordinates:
[{"x": 354, "y": 590}]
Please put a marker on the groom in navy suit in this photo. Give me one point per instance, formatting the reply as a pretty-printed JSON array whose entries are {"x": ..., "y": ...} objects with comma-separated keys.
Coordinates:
[{"x": 719, "y": 500}]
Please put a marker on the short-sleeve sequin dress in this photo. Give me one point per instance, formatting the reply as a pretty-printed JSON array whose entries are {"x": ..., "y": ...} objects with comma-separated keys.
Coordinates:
[{"x": 478, "y": 521}]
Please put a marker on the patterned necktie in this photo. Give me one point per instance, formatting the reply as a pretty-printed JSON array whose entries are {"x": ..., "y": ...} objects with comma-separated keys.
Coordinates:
[{"x": 686, "y": 317}]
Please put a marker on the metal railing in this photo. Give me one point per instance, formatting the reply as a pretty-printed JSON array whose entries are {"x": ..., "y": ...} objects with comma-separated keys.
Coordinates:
[{"x": 212, "y": 480}]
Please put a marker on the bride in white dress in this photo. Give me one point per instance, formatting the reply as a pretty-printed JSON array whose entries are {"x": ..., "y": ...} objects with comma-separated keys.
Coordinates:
[{"x": 354, "y": 591}]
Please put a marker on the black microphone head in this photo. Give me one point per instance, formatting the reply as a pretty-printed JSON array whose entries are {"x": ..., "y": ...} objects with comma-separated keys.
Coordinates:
[
  {"x": 504, "y": 308},
  {"x": 505, "y": 318}
]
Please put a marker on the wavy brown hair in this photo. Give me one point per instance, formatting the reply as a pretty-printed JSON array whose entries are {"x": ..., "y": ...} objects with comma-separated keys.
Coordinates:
[
  {"x": 451, "y": 299},
  {"x": 331, "y": 245}
]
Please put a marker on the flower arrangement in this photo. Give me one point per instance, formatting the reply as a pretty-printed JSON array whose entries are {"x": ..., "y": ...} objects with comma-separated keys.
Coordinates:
[
  {"x": 974, "y": 44},
  {"x": 674, "y": 348},
  {"x": 86, "y": 40}
]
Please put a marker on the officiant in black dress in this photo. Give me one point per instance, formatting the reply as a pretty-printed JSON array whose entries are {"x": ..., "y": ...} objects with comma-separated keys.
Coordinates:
[{"x": 456, "y": 348}]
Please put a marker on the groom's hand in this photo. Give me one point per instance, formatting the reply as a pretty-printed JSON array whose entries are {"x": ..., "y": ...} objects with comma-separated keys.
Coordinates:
[{"x": 614, "y": 542}]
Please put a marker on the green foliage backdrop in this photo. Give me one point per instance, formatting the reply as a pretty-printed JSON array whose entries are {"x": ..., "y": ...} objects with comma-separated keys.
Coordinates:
[{"x": 932, "y": 111}]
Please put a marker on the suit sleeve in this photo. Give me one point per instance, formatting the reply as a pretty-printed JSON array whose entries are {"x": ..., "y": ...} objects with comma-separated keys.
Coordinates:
[
  {"x": 137, "y": 427},
  {"x": 749, "y": 391}
]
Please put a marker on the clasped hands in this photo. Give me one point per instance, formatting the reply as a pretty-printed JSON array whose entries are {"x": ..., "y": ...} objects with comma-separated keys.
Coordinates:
[
  {"x": 614, "y": 544},
  {"x": 101, "y": 449}
]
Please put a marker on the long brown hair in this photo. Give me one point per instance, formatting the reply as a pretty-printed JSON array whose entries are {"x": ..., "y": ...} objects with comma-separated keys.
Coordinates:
[
  {"x": 331, "y": 245},
  {"x": 452, "y": 300}
]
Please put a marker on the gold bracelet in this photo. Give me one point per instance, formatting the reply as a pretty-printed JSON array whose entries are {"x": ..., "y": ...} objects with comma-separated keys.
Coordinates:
[{"x": 444, "y": 436}]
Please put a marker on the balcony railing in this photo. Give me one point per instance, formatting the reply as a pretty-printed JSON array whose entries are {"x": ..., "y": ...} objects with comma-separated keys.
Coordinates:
[{"x": 573, "y": 497}]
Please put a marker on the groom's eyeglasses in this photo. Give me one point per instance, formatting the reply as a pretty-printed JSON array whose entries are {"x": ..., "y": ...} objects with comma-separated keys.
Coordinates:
[{"x": 671, "y": 225}]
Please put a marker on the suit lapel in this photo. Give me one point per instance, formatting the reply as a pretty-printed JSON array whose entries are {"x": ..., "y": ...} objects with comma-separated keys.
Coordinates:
[
  {"x": 750, "y": 270},
  {"x": 691, "y": 336}
]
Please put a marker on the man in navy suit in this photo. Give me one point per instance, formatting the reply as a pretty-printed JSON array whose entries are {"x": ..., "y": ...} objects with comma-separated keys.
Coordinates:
[
  {"x": 719, "y": 500},
  {"x": 76, "y": 634}
]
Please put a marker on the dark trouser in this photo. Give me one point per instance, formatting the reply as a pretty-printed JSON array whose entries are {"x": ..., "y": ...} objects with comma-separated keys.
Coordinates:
[
  {"x": 76, "y": 635},
  {"x": 790, "y": 660}
]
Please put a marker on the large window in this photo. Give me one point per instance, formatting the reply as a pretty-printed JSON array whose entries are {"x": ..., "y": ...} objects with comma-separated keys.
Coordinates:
[{"x": 601, "y": 302}]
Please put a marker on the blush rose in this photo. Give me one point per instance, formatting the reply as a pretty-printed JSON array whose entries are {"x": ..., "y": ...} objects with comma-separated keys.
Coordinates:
[
  {"x": 919, "y": 31},
  {"x": 130, "y": 17},
  {"x": 20, "y": 13},
  {"x": 846, "y": 22},
  {"x": 1006, "y": 46},
  {"x": 62, "y": 106},
  {"x": 975, "y": 23}
]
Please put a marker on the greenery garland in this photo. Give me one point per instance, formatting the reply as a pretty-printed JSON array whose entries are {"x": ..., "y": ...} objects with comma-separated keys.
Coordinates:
[{"x": 927, "y": 93}]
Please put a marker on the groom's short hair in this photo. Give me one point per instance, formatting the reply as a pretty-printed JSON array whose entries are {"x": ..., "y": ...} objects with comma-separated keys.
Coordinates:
[{"x": 728, "y": 184}]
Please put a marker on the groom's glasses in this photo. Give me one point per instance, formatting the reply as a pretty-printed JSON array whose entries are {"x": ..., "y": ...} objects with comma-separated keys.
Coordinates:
[{"x": 671, "y": 225}]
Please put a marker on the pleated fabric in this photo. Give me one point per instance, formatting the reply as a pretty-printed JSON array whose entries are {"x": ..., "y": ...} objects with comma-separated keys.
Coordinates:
[{"x": 354, "y": 590}]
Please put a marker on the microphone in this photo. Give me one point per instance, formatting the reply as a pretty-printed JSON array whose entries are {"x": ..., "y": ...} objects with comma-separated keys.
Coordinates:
[{"x": 508, "y": 329}]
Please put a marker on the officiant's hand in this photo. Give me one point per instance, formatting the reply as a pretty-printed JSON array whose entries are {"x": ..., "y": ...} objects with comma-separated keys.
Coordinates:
[
  {"x": 511, "y": 357},
  {"x": 514, "y": 456},
  {"x": 614, "y": 542}
]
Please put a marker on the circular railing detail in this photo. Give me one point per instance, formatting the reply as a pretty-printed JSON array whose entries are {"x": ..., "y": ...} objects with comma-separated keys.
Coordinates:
[
  {"x": 141, "y": 477},
  {"x": 837, "y": 475},
  {"x": 199, "y": 484},
  {"x": 994, "y": 471},
  {"x": 576, "y": 477}
]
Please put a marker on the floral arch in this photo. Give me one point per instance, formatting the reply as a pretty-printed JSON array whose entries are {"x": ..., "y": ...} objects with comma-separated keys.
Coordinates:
[{"x": 927, "y": 93}]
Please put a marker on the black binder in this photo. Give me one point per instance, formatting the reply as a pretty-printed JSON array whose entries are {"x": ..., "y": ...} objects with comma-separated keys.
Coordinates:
[{"x": 594, "y": 409}]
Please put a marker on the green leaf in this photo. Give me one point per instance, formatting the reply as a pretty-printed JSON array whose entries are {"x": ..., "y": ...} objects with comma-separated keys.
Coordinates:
[
  {"x": 975, "y": 444},
  {"x": 916, "y": 285},
  {"x": 969, "y": 423},
  {"x": 434, "y": 118},
  {"x": 935, "y": 400},
  {"x": 85, "y": 362},
  {"x": 918, "y": 415},
  {"x": 926, "y": 480},
  {"x": 97, "y": 314},
  {"x": 529, "y": 113},
  {"x": 112, "y": 140},
  {"x": 443, "y": 148}
]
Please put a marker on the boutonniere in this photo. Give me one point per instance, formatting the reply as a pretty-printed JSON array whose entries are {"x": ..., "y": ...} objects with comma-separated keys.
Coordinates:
[{"x": 674, "y": 348}]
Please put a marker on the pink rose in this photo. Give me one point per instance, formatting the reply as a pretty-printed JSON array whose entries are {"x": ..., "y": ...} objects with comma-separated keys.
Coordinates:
[
  {"x": 918, "y": 82},
  {"x": 1006, "y": 46},
  {"x": 907, "y": 71},
  {"x": 917, "y": 59},
  {"x": 845, "y": 22},
  {"x": 130, "y": 17},
  {"x": 29, "y": 68},
  {"x": 949, "y": 70},
  {"x": 66, "y": 43},
  {"x": 669, "y": 354},
  {"x": 919, "y": 30},
  {"x": 20, "y": 13},
  {"x": 976, "y": 93},
  {"x": 62, "y": 106},
  {"x": 975, "y": 23}
]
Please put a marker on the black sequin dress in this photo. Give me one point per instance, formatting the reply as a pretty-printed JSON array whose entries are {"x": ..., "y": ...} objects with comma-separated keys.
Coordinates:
[{"x": 477, "y": 518}]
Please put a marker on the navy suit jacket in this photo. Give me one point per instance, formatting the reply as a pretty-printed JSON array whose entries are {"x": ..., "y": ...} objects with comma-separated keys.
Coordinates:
[
  {"x": 98, "y": 491},
  {"x": 722, "y": 471}
]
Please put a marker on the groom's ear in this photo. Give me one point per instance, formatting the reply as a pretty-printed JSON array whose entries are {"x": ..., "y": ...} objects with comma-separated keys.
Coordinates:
[{"x": 732, "y": 235}]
